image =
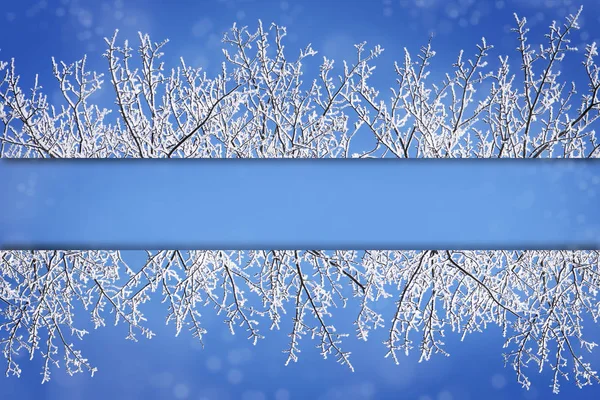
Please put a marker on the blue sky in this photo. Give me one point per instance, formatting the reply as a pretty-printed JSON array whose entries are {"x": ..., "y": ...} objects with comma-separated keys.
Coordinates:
[
  {"x": 230, "y": 367},
  {"x": 34, "y": 31}
]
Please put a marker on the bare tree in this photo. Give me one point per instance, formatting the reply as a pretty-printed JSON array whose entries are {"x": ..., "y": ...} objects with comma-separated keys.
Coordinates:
[
  {"x": 540, "y": 299},
  {"x": 259, "y": 107}
]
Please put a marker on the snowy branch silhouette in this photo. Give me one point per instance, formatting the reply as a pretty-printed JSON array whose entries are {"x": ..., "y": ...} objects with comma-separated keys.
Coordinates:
[
  {"x": 539, "y": 299},
  {"x": 258, "y": 107}
]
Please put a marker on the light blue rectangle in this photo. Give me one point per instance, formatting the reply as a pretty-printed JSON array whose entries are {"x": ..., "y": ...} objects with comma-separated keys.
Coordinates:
[{"x": 243, "y": 204}]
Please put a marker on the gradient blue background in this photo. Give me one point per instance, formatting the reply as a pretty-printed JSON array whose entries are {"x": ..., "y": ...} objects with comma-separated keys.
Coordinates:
[
  {"x": 241, "y": 204},
  {"x": 229, "y": 367}
]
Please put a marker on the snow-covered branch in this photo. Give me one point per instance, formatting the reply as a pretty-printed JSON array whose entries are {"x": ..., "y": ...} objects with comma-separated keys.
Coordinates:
[
  {"x": 260, "y": 106},
  {"x": 540, "y": 299}
]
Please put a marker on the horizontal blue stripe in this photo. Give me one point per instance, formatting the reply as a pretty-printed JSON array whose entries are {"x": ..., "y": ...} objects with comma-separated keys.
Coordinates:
[{"x": 241, "y": 204}]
